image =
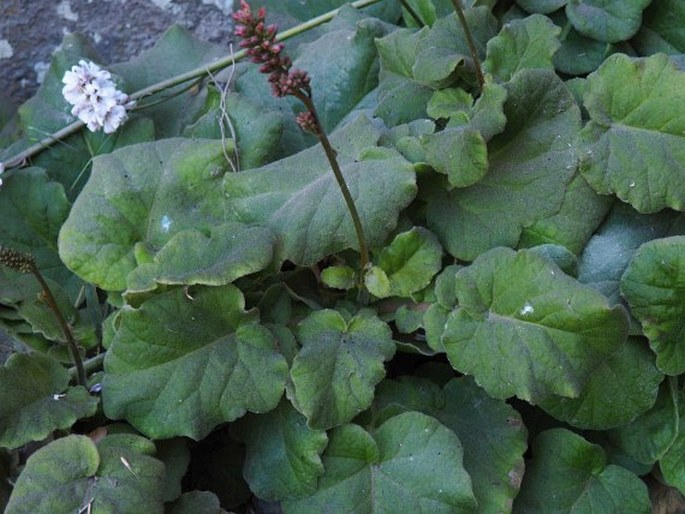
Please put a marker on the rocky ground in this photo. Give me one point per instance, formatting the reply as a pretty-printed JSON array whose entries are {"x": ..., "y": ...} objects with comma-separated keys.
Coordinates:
[{"x": 30, "y": 30}]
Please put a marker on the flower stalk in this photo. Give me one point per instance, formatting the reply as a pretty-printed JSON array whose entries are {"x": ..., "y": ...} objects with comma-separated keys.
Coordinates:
[
  {"x": 472, "y": 45},
  {"x": 25, "y": 263},
  {"x": 260, "y": 43}
]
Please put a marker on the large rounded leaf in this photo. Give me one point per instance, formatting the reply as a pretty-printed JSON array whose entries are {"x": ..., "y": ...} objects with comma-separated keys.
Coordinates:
[
  {"x": 339, "y": 365},
  {"x": 299, "y": 199},
  {"x": 635, "y": 141},
  {"x": 491, "y": 432},
  {"x": 33, "y": 401},
  {"x": 137, "y": 198},
  {"x": 654, "y": 285},
  {"x": 74, "y": 474},
  {"x": 186, "y": 361},
  {"x": 412, "y": 463},
  {"x": 619, "y": 389},
  {"x": 525, "y": 328},
  {"x": 531, "y": 163},
  {"x": 606, "y": 20},
  {"x": 568, "y": 474}
]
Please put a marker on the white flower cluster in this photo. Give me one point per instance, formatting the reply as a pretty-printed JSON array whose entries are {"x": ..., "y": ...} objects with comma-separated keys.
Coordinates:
[{"x": 96, "y": 100}]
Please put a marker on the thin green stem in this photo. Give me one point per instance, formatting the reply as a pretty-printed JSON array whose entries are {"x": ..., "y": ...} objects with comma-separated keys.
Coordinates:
[
  {"x": 412, "y": 13},
  {"x": 471, "y": 43},
  {"x": 331, "y": 154},
  {"x": 20, "y": 158},
  {"x": 64, "y": 325},
  {"x": 90, "y": 365}
]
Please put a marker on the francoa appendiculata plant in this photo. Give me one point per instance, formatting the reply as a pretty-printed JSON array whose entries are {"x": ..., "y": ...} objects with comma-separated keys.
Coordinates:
[{"x": 516, "y": 344}]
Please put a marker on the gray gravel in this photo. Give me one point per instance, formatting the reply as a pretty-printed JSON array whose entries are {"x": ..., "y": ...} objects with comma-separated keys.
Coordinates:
[{"x": 30, "y": 30}]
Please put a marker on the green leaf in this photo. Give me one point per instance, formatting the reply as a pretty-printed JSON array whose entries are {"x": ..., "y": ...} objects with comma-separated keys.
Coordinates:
[
  {"x": 524, "y": 328},
  {"x": 35, "y": 399},
  {"x": 633, "y": 144},
  {"x": 578, "y": 55},
  {"x": 531, "y": 163},
  {"x": 410, "y": 261},
  {"x": 143, "y": 195},
  {"x": 606, "y": 20},
  {"x": 343, "y": 67},
  {"x": 257, "y": 129},
  {"x": 33, "y": 209},
  {"x": 581, "y": 213},
  {"x": 649, "y": 436},
  {"x": 654, "y": 286},
  {"x": 521, "y": 44},
  {"x": 445, "y": 103},
  {"x": 443, "y": 48},
  {"x": 377, "y": 282},
  {"x": 175, "y": 455},
  {"x": 282, "y": 460},
  {"x": 460, "y": 153},
  {"x": 558, "y": 255},
  {"x": 291, "y": 12},
  {"x": 671, "y": 464},
  {"x": 401, "y": 97},
  {"x": 339, "y": 365},
  {"x": 69, "y": 474},
  {"x": 411, "y": 463},
  {"x": 619, "y": 389},
  {"x": 663, "y": 28},
  {"x": 610, "y": 250},
  {"x": 229, "y": 252},
  {"x": 300, "y": 201},
  {"x": 568, "y": 474},
  {"x": 541, "y": 6},
  {"x": 339, "y": 277},
  {"x": 176, "y": 52},
  {"x": 196, "y": 502},
  {"x": 491, "y": 432},
  {"x": 182, "y": 364}
]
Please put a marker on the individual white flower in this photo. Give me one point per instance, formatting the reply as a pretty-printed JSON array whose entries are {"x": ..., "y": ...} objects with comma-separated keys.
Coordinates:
[{"x": 97, "y": 101}]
